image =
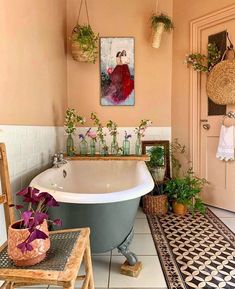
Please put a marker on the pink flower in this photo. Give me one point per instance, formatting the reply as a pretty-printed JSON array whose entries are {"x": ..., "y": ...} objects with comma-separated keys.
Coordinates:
[
  {"x": 92, "y": 134},
  {"x": 109, "y": 70}
]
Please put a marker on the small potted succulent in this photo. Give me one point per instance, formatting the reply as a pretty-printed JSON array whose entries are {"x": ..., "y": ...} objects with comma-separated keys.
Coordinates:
[
  {"x": 160, "y": 23},
  {"x": 28, "y": 238},
  {"x": 157, "y": 163},
  {"x": 84, "y": 45},
  {"x": 184, "y": 193}
]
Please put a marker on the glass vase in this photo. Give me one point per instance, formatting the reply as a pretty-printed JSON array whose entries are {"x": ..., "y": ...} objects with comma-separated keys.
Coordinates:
[
  {"x": 103, "y": 148},
  {"x": 114, "y": 146},
  {"x": 126, "y": 147},
  {"x": 92, "y": 147},
  {"x": 138, "y": 146},
  {"x": 83, "y": 147},
  {"x": 70, "y": 146}
]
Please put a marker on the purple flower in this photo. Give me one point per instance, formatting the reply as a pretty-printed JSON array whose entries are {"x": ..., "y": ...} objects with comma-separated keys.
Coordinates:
[
  {"x": 19, "y": 207},
  {"x": 48, "y": 200},
  {"x": 30, "y": 195},
  {"x": 37, "y": 234},
  {"x": 127, "y": 135},
  {"x": 39, "y": 217},
  {"x": 81, "y": 136}
]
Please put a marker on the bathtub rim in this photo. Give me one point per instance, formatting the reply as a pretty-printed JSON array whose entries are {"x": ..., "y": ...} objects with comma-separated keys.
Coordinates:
[{"x": 98, "y": 198}]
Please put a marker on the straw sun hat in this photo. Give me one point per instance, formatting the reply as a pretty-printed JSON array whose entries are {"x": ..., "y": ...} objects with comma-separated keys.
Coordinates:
[{"x": 221, "y": 81}]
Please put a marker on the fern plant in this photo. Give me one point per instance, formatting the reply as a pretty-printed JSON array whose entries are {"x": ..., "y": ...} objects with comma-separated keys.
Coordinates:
[{"x": 88, "y": 41}]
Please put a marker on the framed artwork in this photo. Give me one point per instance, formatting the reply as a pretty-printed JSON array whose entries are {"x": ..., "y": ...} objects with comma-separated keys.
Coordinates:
[
  {"x": 117, "y": 80},
  {"x": 165, "y": 144}
]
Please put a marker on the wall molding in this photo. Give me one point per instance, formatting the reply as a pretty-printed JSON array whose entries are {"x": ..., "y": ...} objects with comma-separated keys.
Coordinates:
[{"x": 197, "y": 26}]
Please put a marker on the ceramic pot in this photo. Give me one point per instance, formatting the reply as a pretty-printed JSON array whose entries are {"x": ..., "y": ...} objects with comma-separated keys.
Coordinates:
[
  {"x": 179, "y": 209},
  {"x": 158, "y": 173},
  {"x": 29, "y": 258},
  {"x": 157, "y": 35}
]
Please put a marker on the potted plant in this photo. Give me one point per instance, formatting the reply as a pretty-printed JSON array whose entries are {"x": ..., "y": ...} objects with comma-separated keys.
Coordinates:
[
  {"x": 84, "y": 46},
  {"x": 184, "y": 193},
  {"x": 160, "y": 23},
  {"x": 157, "y": 163},
  {"x": 28, "y": 238}
]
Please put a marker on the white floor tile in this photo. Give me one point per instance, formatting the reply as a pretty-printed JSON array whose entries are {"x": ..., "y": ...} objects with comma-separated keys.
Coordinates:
[
  {"x": 222, "y": 213},
  {"x": 140, "y": 214},
  {"x": 151, "y": 275},
  {"x": 141, "y": 226},
  {"x": 141, "y": 245},
  {"x": 100, "y": 270},
  {"x": 230, "y": 222}
]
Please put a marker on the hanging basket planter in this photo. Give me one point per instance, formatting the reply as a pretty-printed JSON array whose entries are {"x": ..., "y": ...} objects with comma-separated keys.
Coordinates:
[
  {"x": 220, "y": 85},
  {"x": 84, "y": 42},
  {"x": 160, "y": 23}
]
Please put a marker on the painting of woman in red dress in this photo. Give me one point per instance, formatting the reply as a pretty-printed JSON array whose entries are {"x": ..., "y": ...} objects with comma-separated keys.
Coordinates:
[{"x": 117, "y": 82}]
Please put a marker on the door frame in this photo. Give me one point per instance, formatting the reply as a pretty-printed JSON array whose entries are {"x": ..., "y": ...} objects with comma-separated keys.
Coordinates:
[{"x": 196, "y": 28}]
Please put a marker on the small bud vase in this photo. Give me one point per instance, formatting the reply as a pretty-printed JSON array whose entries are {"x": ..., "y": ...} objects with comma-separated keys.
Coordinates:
[
  {"x": 114, "y": 146},
  {"x": 103, "y": 148},
  {"x": 70, "y": 146},
  {"x": 92, "y": 147},
  {"x": 126, "y": 147},
  {"x": 138, "y": 146},
  {"x": 83, "y": 147}
]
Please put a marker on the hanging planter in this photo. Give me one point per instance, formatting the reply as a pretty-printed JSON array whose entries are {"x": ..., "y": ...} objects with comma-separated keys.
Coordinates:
[
  {"x": 160, "y": 23},
  {"x": 84, "y": 42}
]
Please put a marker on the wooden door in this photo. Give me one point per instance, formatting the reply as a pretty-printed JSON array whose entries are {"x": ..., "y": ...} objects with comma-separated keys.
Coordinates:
[{"x": 221, "y": 175}]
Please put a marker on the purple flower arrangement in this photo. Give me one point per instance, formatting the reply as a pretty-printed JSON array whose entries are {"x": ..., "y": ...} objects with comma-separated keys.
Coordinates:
[{"x": 34, "y": 216}]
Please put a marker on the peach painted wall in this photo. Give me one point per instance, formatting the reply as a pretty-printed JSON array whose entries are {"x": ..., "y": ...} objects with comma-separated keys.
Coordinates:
[
  {"x": 184, "y": 12},
  {"x": 33, "y": 62},
  {"x": 153, "y": 67}
]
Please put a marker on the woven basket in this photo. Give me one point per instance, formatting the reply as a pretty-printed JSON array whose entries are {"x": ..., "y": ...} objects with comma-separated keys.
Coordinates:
[
  {"x": 221, "y": 83},
  {"x": 155, "y": 205}
]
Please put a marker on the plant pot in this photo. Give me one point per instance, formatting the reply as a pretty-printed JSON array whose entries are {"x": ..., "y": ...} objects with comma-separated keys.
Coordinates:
[
  {"x": 155, "y": 205},
  {"x": 28, "y": 258},
  {"x": 157, "y": 35},
  {"x": 158, "y": 173},
  {"x": 179, "y": 208}
]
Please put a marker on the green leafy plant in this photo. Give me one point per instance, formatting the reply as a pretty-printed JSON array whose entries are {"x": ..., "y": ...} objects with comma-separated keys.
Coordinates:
[
  {"x": 162, "y": 18},
  {"x": 71, "y": 120},
  {"x": 178, "y": 153},
  {"x": 186, "y": 191},
  {"x": 100, "y": 129},
  {"x": 204, "y": 63},
  {"x": 112, "y": 127},
  {"x": 88, "y": 41},
  {"x": 157, "y": 157}
]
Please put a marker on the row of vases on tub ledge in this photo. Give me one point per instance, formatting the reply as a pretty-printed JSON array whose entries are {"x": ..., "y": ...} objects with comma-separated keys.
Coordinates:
[
  {"x": 72, "y": 119},
  {"x": 89, "y": 148}
]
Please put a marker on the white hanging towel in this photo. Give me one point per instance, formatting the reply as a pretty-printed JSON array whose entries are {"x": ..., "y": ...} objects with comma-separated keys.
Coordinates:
[{"x": 226, "y": 146}]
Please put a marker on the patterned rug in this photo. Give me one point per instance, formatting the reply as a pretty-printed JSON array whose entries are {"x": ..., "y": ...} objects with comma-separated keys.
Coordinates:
[{"x": 195, "y": 252}]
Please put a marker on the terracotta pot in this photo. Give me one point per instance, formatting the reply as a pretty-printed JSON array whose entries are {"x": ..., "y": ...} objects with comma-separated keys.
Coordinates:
[
  {"x": 179, "y": 209},
  {"x": 29, "y": 258}
]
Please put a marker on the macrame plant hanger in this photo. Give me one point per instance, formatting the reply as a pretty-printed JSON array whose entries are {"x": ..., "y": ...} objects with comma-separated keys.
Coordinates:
[{"x": 80, "y": 10}]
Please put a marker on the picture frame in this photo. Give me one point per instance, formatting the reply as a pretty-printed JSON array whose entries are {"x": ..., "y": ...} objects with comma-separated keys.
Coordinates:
[
  {"x": 148, "y": 144},
  {"x": 117, "y": 71}
]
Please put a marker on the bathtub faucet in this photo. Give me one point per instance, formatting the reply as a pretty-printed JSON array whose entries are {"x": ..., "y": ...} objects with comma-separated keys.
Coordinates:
[{"x": 58, "y": 159}]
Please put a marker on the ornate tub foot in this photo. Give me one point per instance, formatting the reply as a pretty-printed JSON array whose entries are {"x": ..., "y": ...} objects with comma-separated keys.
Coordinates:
[{"x": 124, "y": 249}]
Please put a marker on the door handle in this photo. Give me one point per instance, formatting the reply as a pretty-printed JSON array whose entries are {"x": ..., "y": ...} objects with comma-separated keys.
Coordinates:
[{"x": 206, "y": 126}]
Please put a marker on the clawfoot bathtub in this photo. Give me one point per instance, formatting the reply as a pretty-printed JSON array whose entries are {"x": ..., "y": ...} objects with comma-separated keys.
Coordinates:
[{"x": 103, "y": 195}]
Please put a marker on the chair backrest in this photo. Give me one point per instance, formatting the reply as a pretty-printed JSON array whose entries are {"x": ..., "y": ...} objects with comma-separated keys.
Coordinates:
[{"x": 6, "y": 197}]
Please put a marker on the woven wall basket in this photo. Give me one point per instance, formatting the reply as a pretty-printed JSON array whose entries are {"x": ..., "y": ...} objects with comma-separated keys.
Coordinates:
[{"x": 221, "y": 83}]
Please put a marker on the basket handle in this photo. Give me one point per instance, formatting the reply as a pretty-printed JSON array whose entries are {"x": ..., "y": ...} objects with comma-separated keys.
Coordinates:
[
  {"x": 80, "y": 9},
  {"x": 230, "y": 48}
]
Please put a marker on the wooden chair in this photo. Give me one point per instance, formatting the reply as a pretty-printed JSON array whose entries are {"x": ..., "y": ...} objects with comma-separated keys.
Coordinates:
[{"x": 57, "y": 269}]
